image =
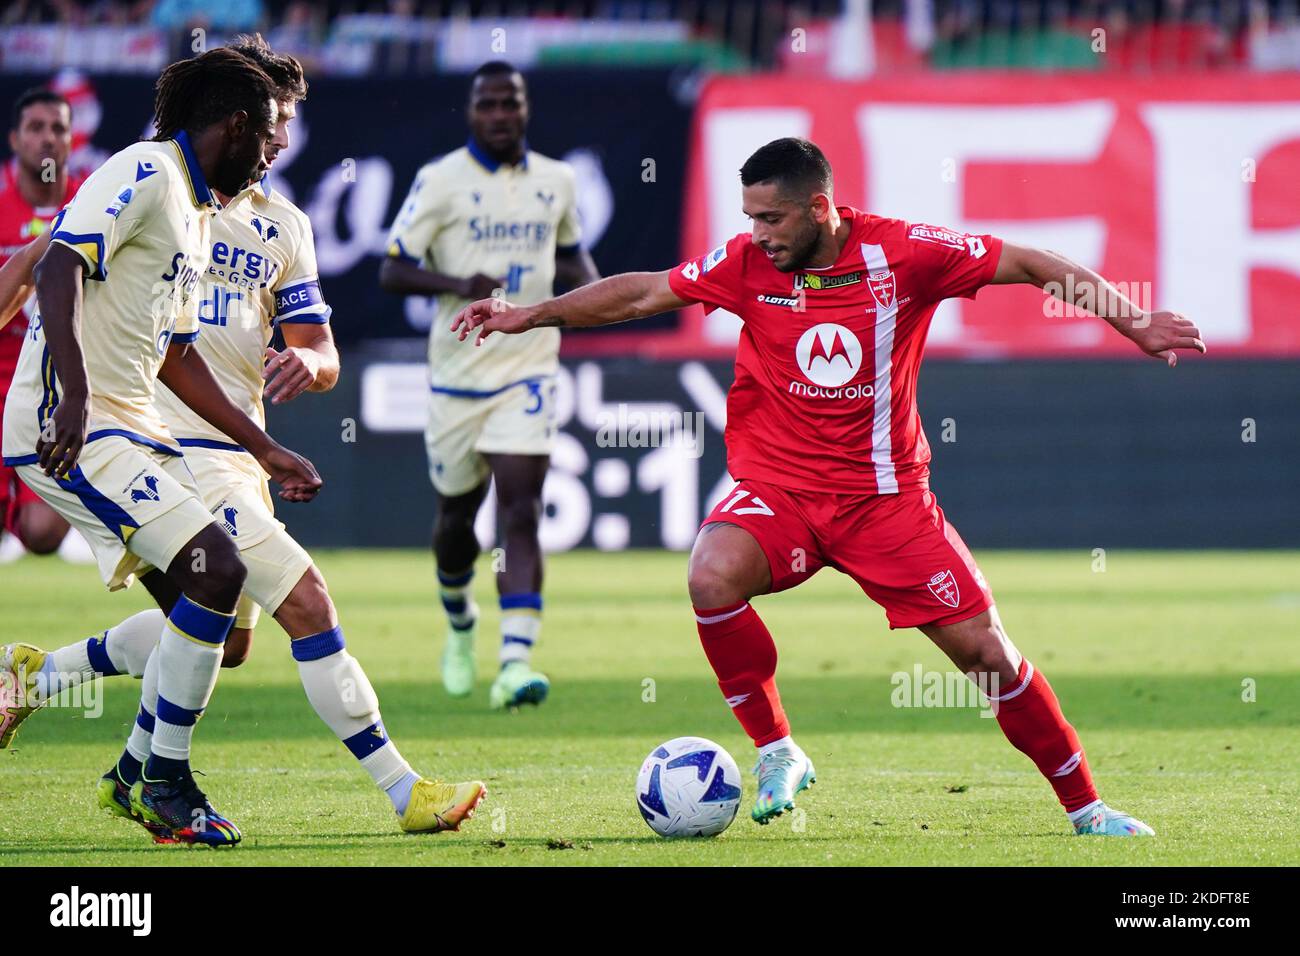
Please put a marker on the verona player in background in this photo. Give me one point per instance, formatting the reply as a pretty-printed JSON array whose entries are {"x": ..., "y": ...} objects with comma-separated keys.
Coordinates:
[
  {"x": 824, "y": 439},
  {"x": 34, "y": 185},
  {"x": 262, "y": 278},
  {"x": 491, "y": 215},
  {"x": 80, "y": 423}
]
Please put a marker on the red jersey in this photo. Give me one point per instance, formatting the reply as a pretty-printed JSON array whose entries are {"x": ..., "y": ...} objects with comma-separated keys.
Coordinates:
[
  {"x": 825, "y": 392},
  {"x": 20, "y": 223}
]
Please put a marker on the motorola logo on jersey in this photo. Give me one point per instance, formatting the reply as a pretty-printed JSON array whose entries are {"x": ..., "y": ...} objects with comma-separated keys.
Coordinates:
[{"x": 829, "y": 355}]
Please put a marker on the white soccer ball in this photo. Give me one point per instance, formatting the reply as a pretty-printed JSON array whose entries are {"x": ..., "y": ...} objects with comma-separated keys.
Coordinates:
[{"x": 688, "y": 786}]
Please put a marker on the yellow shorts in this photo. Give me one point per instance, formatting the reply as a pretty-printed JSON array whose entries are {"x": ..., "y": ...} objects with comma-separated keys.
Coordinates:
[
  {"x": 519, "y": 420},
  {"x": 137, "y": 507},
  {"x": 233, "y": 488}
]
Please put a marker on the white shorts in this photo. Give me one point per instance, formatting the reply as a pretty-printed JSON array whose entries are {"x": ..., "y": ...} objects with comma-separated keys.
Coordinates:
[
  {"x": 518, "y": 420},
  {"x": 135, "y": 506},
  {"x": 233, "y": 488}
]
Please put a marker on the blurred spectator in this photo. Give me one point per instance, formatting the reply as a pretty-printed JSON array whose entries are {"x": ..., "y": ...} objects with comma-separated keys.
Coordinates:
[
  {"x": 300, "y": 33},
  {"x": 398, "y": 37},
  {"x": 225, "y": 16}
]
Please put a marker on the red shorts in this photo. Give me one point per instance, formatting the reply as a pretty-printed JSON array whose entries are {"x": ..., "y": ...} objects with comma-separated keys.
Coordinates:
[
  {"x": 898, "y": 548},
  {"x": 14, "y": 495}
]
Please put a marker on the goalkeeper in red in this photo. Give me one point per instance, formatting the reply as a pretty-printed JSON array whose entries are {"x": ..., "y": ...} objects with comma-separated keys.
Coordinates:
[{"x": 824, "y": 439}]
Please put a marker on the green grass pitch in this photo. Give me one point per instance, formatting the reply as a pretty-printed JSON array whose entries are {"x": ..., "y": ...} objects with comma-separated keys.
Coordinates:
[{"x": 1156, "y": 661}]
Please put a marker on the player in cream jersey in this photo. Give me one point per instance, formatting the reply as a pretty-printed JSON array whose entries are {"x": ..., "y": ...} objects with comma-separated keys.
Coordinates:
[
  {"x": 123, "y": 217},
  {"x": 117, "y": 313},
  {"x": 468, "y": 214},
  {"x": 492, "y": 215},
  {"x": 262, "y": 276}
]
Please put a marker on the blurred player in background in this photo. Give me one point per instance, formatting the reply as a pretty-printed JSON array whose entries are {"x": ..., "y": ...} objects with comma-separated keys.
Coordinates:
[
  {"x": 80, "y": 421},
  {"x": 825, "y": 441},
  {"x": 493, "y": 215},
  {"x": 262, "y": 277},
  {"x": 34, "y": 186}
]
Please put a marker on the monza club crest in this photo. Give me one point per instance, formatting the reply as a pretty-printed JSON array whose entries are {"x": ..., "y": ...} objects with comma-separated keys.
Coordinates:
[
  {"x": 944, "y": 587},
  {"x": 883, "y": 288}
]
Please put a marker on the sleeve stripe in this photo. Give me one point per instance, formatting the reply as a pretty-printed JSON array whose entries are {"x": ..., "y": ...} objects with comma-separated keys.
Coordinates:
[
  {"x": 568, "y": 250},
  {"x": 306, "y": 318},
  {"x": 398, "y": 251},
  {"x": 186, "y": 338},
  {"x": 89, "y": 246}
]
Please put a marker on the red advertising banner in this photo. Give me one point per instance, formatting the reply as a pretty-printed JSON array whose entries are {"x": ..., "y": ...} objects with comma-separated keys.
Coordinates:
[{"x": 1183, "y": 190}]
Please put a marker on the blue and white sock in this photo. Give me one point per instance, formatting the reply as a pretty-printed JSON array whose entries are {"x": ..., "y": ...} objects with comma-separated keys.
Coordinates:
[
  {"x": 455, "y": 590},
  {"x": 189, "y": 659},
  {"x": 521, "y": 625},
  {"x": 123, "y": 649},
  {"x": 342, "y": 697},
  {"x": 139, "y": 743}
]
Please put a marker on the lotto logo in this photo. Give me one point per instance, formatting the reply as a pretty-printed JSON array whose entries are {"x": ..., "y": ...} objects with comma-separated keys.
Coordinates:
[{"x": 691, "y": 271}]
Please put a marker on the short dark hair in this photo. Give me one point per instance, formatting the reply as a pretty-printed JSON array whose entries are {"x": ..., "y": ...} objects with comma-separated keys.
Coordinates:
[
  {"x": 193, "y": 94},
  {"x": 494, "y": 68},
  {"x": 791, "y": 163},
  {"x": 37, "y": 94},
  {"x": 284, "y": 70}
]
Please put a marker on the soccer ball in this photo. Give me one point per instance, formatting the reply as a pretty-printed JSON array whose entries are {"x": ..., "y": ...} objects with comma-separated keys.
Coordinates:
[{"x": 688, "y": 786}]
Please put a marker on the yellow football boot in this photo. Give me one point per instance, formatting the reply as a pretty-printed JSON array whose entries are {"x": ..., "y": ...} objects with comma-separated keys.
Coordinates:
[
  {"x": 436, "y": 806},
  {"x": 19, "y": 665}
]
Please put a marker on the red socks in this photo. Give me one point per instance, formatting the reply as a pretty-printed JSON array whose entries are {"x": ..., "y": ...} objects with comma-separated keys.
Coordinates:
[
  {"x": 743, "y": 655},
  {"x": 1031, "y": 717}
]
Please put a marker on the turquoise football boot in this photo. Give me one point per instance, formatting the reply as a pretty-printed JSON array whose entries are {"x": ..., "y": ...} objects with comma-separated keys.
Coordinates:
[
  {"x": 782, "y": 773},
  {"x": 518, "y": 684},
  {"x": 1103, "y": 821}
]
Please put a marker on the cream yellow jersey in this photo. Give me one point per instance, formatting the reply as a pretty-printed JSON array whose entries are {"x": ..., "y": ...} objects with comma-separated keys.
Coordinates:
[
  {"x": 466, "y": 214},
  {"x": 262, "y": 273},
  {"x": 141, "y": 224}
]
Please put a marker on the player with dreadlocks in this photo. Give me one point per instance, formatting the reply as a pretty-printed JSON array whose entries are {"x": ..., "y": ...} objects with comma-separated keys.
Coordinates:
[
  {"x": 82, "y": 429},
  {"x": 262, "y": 278}
]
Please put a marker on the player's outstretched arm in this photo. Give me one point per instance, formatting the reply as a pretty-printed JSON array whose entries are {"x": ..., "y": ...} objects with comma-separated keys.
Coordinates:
[
  {"x": 403, "y": 277},
  {"x": 632, "y": 295},
  {"x": 58, "y": 277},
  {"x": 1158, "y": 334},
  {"x": 186, "y": 373},
  {"x": 17, "y": 279},
  {"x": 309, "y": 362}
]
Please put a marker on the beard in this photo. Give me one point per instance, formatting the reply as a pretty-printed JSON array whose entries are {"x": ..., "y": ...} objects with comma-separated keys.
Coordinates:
[
  {"x": 238, "y": 167},
  {"x": 803, "y": 247}
]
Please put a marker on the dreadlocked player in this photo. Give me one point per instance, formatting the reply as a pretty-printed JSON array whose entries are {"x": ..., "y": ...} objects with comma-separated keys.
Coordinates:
[
  {"x": 262, "y": 276},
  {"x": 80, "y": 424}
]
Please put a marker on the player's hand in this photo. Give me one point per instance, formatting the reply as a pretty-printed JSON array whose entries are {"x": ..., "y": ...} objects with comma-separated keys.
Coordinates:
[
  {"x": 491, "y": 315},
  {"x": 289, "y": 373},
  {"x": 295, "y": 475},
  {"x": 479, "y": 286},
  {"x": 63, "y": 435},
  {"x": 1161, "y": 334}
]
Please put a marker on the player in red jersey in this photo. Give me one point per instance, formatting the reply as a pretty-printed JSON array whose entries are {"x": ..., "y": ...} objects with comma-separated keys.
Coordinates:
[
  {"x": 34, "y": 186},
  {"x": 824, "y": 439}
]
